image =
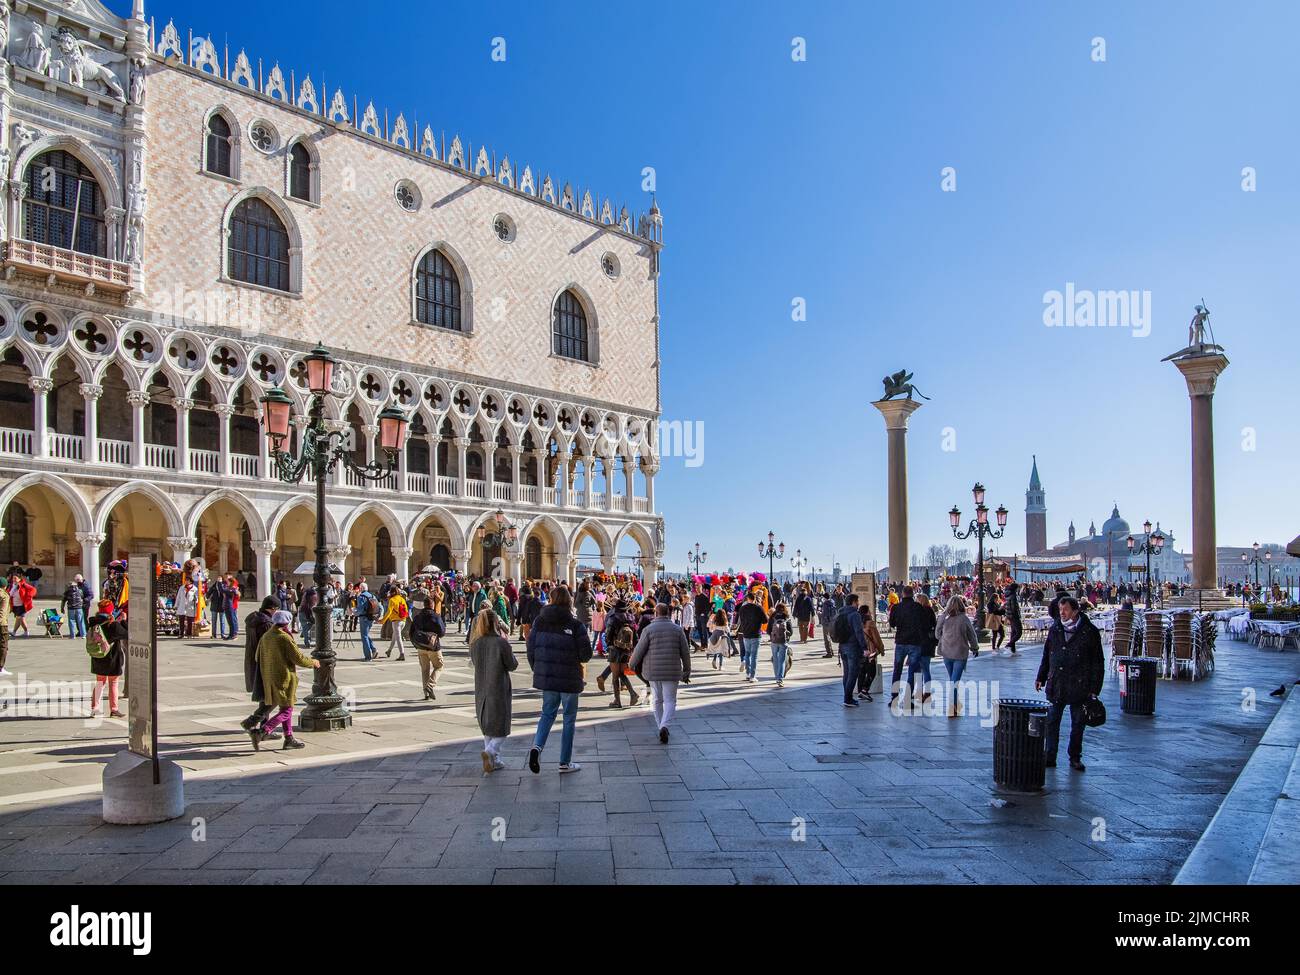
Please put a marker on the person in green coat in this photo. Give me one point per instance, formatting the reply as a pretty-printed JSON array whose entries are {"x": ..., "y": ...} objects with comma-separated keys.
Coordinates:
[{"x": 278, "y": 660}]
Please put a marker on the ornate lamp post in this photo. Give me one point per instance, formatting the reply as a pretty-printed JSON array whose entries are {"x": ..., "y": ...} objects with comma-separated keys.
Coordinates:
[
  {"x": 980, "y": 528},
  {"x": 771, "y": 553},
  {"x": 504, "y": 535},
  {"x": 320, "y": 452},
  {"x": 1257, "y": 561},
  {"x": 696, "y": 558},
  {"x": 798, "y": 563},
  {"x": 1152, "y": 544}
]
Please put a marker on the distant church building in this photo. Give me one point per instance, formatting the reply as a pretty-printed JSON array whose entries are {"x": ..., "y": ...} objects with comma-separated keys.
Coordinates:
[{"x": 1104, "y": 552}]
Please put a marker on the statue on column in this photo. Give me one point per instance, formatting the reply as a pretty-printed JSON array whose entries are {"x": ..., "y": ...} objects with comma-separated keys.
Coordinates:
[
  {"x": 1197, "y": 330},
  {"x": 899, "y": 383}
]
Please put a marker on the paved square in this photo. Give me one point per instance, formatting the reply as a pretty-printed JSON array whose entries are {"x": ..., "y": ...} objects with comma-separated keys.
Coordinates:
[{"x": 758, "y": 785}]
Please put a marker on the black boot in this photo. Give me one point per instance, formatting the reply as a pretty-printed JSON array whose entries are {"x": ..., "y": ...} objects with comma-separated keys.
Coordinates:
[
  {"x": 291, "y": 743},
  {"x": 256, "y": 735}
]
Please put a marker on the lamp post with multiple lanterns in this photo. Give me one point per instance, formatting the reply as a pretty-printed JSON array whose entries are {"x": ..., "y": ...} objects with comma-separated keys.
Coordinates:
[
  {"x": 696, "y": 558},
  {"x": 798, "y": 563},
  {"x": 771, "y": 552},
  {"x": 319, "y": 453},
  {"x": 1151, "y": 545},
  {"x": 1257, "y": 561},
  {"x": 980, "y": 528}
]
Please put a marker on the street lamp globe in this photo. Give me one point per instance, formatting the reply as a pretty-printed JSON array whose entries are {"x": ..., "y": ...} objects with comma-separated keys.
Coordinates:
[
  {"x": 320, "y": 370},
  {"x": 392, "y": 429},
  {"x": 276, "y": 410},
  {"x": 1256, "y": 548},
  {"x": 981, "y": 513},
  {"x": 1130, "y": 543},
  {"x": 954, "y": 516},
  {"x": 978, "y": 493},
  {"x": 1159, "y": 539},
  {"x": 1002, "y": 516},
  {"x": 1146, "y": 526}
]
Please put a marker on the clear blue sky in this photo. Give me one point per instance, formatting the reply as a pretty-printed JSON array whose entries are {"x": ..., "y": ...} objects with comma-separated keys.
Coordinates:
[{"x": 821, "y": 180}]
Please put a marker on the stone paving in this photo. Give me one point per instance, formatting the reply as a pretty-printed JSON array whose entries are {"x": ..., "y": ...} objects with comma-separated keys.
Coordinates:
[{"x": 758, "y": 785}]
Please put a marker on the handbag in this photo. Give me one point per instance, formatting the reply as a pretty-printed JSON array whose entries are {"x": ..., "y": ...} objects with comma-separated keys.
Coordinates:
[
  {"x": 386, "y": 631},
  {"x": 1094, "y": 712}
]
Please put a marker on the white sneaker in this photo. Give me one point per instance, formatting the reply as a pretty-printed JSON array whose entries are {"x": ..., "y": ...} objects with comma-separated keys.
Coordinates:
[
  {"x": 6, "y": 673},
  {"x": 571, "y": 767}
]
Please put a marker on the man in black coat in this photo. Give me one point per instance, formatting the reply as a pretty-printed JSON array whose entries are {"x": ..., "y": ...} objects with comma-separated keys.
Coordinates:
[
  {"x": 913, "y": 626},
  {"x": 558, "y": 646},
  {"x": 1072, "y": 671},
  {"x": 803, "y": 612},
  {"x": 256, "y": 624}
]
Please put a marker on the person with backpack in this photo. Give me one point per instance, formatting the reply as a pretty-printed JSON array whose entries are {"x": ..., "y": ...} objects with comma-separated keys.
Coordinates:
[
  {"x": 73, "y": 604},
  {"x": 620, "y": 633},
  {"x": 779, "y": 625},
  {"x": 846, "y": 631},
  {"x": 913, "y": 627},
  {"x": 875, "y": 647},
  {"x": 307, "y": 601},
  {"x": 106, "y": 645},
  {"x": 427, "y": 631},
  {"x": 367, "y": 613},
  {"x": 558, "y": 646},
  {"x": 750, "y": 620},
  {"x": 826, "y": 616}
]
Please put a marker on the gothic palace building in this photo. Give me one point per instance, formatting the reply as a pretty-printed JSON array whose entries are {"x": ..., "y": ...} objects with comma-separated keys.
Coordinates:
[{"x": 182, "y": 226}]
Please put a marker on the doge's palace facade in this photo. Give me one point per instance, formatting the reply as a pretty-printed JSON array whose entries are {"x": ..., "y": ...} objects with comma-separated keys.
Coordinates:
[{"x": 183, "y": 223}]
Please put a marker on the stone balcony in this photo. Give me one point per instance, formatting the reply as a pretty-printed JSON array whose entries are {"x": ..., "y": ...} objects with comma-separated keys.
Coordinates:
[{"x": 57, "y": 264}]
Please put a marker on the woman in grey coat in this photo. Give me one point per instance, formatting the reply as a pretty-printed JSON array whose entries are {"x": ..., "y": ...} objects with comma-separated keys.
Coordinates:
[
  {"x": 957, "y": 642},
  {"x": 490, "y": 653}
]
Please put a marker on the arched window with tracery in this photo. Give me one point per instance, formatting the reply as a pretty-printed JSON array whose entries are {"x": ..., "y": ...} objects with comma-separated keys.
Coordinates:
[
  {"x": 437, "y": 292},
  {"x": 259, "y": 246},
  {"x": 217, "y": 157},
  {"x": 64, "y": 206},
  {"x": 569, "y": 328},
  {"x": 300, "y": 172}
]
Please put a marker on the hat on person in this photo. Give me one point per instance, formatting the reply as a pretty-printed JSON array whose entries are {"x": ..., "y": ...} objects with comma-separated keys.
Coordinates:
[
  {"x": 270, "y": 602},
  {"x": 106, "y": 607},
  {"x": 281, "y": 617}
]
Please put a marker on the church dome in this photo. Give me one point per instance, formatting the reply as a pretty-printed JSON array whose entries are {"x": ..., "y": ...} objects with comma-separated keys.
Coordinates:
[{"x": 1115, "y": 525}]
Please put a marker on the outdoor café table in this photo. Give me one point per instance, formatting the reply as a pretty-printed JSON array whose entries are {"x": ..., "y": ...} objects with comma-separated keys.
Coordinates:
[{"x": 1277, "y": 632}]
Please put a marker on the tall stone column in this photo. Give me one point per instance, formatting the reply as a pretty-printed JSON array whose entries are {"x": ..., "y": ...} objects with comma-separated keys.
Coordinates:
[
  {"x": 40, "y": 387},
  {"x": 896, "y": 413},
  {"x": 1201, "y": 372},
  {"x": 138, "y": 400}
]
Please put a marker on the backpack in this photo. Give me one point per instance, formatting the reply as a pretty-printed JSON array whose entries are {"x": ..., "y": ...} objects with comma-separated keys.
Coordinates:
[
  {"x": 779, "y": 631},
  {"x": 96, "y": 643},
  {"x": 841, "y": 628},
  {"x": 372, "y": 607}
]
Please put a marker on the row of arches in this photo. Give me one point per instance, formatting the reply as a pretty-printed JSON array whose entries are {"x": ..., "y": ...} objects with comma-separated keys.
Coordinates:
[{"x": 47, "y": 522}]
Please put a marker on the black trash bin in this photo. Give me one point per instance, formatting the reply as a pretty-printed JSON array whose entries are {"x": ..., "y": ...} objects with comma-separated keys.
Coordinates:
[
  {"x": 1137, "y": 684},
  {"x": 1018, "y": 761}
]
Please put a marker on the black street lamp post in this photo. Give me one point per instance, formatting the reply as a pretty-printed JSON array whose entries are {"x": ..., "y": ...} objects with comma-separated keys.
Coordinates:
[
  {"x": 980, "y": 528},
  {"x": 320, "y": 452},
  {"x": 798, "y": 563},
  {"x": 1151, "y": 545},
  {"x": 1257, "y": 561},
  {"x": 771, "y": 552},
  {"x": 696, "y": 558}
]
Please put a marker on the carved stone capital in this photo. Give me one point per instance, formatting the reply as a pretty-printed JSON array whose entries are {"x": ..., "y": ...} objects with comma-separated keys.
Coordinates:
[
  {"x": 264, "y": 547},
  {"x": 91, "y": 538},
  {"x": 183, "y": 405},
  {"x": 91, "y": 390},
  {"x": 137, "y": 398},
  {"x": 224, "y": 410},
  {"x": 181, "y": 543},
  {"x": 39, "y": 384}
]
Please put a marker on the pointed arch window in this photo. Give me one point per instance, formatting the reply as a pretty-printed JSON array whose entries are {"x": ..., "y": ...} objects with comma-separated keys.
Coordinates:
[
  {"x": 437, "y": 292},
  {"x": 64, "y": 206},
  {"x": 569, "y": 328},
  {"x": 259, "y": 246},
  {"x": 300, "y": 172},
  {"x": 218, "y": 156}
]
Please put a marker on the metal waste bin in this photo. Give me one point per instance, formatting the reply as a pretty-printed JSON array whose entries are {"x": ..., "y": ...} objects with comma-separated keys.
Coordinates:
[
  {"x": 1137, "y": 684},
  {"x": 1019, "y": 764}
]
